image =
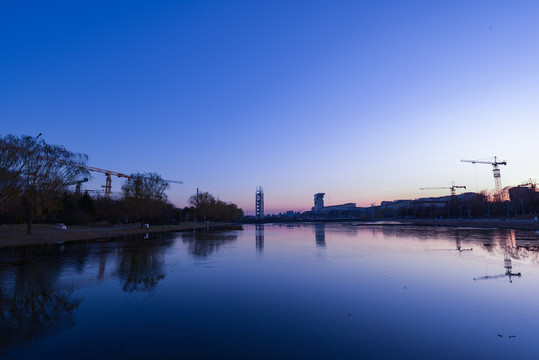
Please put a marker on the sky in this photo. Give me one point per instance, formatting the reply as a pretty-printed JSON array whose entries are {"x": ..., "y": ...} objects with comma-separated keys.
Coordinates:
[{"x": 365, "y": 101}]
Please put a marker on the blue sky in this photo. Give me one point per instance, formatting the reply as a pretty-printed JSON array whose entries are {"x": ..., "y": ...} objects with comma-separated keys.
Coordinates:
[{"x": 365, "y": 101}]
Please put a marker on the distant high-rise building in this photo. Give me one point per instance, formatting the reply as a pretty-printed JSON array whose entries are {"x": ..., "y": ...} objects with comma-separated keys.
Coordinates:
[
  {"x": 259, "y": 203},
  {"x": 318, "y": 202}
]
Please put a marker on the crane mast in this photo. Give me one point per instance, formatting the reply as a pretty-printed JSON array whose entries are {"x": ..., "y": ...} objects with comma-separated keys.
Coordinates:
[{"x": 495, "y": 171}]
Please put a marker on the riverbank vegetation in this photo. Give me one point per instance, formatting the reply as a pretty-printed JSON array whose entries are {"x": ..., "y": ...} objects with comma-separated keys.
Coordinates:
[
  {"x": 206, "y": 207},
  {"x": 37, "y": 180}
]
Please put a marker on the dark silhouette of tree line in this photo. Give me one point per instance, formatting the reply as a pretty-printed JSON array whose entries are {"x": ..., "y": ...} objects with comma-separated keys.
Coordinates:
[
  {"x": 35, "y": 181},
  {"x": 522, "y": 203},
  {"x": 206, "y": 207},
  {"x": 33, "y": 174}
]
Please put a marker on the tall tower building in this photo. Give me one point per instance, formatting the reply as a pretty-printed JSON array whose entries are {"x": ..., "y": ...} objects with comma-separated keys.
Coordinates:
[
  {"x": 259, "y": 203},
  {"x": 318, "y": 202}
]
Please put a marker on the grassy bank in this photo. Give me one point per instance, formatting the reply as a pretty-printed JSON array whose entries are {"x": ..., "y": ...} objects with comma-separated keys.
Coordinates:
[{"x": 15, "y": 235}]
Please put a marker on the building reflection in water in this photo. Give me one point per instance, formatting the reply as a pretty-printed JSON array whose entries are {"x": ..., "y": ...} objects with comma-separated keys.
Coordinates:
[
  {"x": 320, "y": 234},
  {"x": 259, "y": 236}
]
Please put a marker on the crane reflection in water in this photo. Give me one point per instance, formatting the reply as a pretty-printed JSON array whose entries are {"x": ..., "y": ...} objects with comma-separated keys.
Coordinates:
[{"x": 509, "y": 250}]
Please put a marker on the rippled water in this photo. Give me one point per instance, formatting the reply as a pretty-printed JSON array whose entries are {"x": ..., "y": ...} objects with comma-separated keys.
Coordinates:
[{"x": 298, "y": 291}]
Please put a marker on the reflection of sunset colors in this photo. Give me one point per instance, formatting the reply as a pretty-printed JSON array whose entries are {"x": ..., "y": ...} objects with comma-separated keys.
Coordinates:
[
  {"x": 263, "y": 289},
  {"x": 365, "y": 101}
]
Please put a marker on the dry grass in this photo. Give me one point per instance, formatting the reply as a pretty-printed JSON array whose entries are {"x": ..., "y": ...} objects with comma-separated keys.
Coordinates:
[{"x": 15, "y": 235}]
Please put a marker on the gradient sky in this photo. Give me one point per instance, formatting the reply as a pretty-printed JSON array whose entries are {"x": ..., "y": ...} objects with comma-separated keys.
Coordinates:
[{"x": 363, "y": 100}]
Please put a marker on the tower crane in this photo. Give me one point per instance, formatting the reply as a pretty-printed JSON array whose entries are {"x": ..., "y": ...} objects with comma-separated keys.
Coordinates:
[
  {"x": 495, "y": 170},
  {"x": 78, "y": 183},
  {"x": 452, "y": 188},
  {"x": 108, "y": 174},
  {"x": 508, "y": 271},
  {"x": 173, "y": 181}
]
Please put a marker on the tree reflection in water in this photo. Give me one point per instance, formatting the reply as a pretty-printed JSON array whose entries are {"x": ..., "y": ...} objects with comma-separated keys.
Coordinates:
[
  {"x": 25, "y": 316},
  {"x": 202, "y": 243},
  {"x": 140, "y": 262},
  {"x": 32, "y": 302}
]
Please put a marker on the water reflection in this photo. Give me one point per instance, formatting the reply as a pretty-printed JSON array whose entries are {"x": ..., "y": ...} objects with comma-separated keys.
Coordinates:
[
  {"x": 37, "y": 282},
  {"x": 140, "y": 262},
  {"x": 26, "y": 316},
  {"x": 458, "y": 244},
  {"x": 424, "y": 233},
  {"x": 405, "y": 294},
  {"x": 201, "y": 243},
  {"x": 33, "y": 301},
  {"x": 320, "y": 234},
  {"x": 102, "y": 265},
  {"x": 507, "y": 244},
  {"x": 520, "y": 244},
  {"x": 259, "y": 237}
]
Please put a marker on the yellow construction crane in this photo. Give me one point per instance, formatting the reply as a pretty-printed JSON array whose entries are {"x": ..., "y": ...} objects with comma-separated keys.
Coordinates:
[
  {"x": 108, "y": 174},
  {"x": 495, "y": 170}
]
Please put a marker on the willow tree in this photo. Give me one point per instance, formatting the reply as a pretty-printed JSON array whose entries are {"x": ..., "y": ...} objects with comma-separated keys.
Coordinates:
[
  {"x": 10, "y": 164},
  {"x": 144, "y": 196},
  {"x": 37, "y": 172}
]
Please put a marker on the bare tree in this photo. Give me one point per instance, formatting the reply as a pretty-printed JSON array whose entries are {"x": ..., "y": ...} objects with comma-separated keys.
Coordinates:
[
  {"x": 144, "y": 195},
  {"x": 203, "y": 203},
  {"x": 208, "y": 208},
  {"x": 10, "y": 163},
  {"x": 37, "y": 172}
]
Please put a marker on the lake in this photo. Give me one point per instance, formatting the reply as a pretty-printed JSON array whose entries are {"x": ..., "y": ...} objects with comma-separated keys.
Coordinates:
[{"x": 316, "y": 291}]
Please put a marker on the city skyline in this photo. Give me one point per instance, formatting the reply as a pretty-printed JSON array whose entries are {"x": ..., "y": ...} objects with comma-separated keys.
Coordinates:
[{"x": 364, "y": 102}]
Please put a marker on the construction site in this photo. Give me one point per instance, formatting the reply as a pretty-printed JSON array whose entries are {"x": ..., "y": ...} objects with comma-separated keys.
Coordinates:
[{"x": 519, "y": 203}]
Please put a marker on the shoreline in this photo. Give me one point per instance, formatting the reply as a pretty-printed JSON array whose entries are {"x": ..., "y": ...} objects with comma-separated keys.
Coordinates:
[
  {"x": 456, "y": 223},
  {"x": 467, "y": 223},
  {"x": 47, "y": 235},
  {"x": 14, "y": 235}
]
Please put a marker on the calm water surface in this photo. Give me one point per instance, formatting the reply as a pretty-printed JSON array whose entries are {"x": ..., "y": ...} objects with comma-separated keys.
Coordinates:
[{"x": 299, "y": 291}]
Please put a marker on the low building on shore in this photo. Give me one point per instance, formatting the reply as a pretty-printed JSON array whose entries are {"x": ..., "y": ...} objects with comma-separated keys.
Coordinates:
[{"x": 347, "y": 210}]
